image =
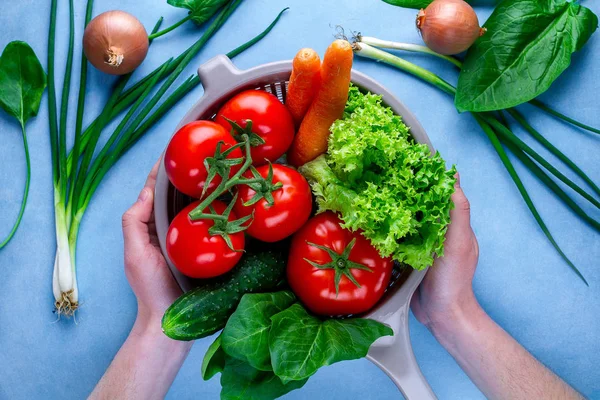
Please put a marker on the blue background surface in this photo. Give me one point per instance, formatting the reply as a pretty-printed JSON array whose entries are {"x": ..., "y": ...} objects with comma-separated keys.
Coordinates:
[{"x": 521, "y": 281}]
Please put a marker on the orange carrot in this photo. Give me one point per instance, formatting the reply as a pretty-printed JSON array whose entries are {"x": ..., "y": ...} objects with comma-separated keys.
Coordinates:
[
  {"x": 304, "y": 83},
  {"x": 327, "y": 107}
]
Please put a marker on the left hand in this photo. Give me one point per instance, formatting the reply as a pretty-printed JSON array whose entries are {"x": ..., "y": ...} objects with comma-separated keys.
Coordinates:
[
  {"x": 145, "y": 267},
  {"x": 446, "y": 293}
]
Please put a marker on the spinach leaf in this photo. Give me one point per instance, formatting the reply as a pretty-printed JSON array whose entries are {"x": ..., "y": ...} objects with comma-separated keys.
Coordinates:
[
  {"x": 214, "y": 359},
  {"x": 300, "y": 344},
  {"x": 200, "y": 10},
  {"x": 240, "y": 381},
  {"x": 246, "y": 335},
  {"x": 528, "y": 45},
  {"x": 22, "y": 81}
]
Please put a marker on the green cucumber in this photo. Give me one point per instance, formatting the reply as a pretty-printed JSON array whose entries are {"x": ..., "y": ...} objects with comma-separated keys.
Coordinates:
[{"x": 206, "y": 309}]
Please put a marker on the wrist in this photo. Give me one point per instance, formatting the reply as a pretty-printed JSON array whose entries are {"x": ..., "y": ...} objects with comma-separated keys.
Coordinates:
[
  {"x": 147, "y": 330},
  {"x": 461, "y": 317}
]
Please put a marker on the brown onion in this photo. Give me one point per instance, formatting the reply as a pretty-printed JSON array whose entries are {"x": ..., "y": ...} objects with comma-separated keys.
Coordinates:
[
  {"x": 115, "y": 42},
  {"x": 449, "y": 26}
]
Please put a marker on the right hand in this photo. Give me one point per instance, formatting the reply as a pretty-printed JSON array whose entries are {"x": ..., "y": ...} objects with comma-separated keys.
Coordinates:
[
  {"x": 447, "y": 291},
  {"x": 145, "y": 266}
]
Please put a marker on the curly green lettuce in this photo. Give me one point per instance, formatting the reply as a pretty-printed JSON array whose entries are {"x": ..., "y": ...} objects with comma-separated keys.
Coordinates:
[{"x": 384, "y": 183}]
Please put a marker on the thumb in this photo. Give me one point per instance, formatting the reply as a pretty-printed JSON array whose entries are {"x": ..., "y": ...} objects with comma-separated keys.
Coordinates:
[
  {"x": 135, "y": 222},
  {"x": 460, "y": 215}
]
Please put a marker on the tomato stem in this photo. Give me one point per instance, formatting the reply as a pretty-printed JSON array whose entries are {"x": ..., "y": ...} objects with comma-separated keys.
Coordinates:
[
  {"x": 237, "y": 131},
  {"x": 223, "y": 227},
  {"x": 226, "y": 184},
  {"x": 249, "y": 181},
  {"x": 340, "y": 263},
  {"x": 216, "y": 217},
  {"x": 263, "y": 188}
]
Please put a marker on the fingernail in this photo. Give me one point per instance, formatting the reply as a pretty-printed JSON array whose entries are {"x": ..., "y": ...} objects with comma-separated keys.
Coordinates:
[
  {"x": 143, "y": 195},
  {"x": 457, "y": 184}
]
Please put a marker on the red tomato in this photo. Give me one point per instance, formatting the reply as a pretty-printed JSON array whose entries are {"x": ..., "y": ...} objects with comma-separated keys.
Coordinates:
[
  {"x": 184, "y": 158},
  {"x": 195, "y": 252},
  {"x": 271, "y": 120},
  {"x": 316, "y": 287},
  {"x": 292, "y": 204}
]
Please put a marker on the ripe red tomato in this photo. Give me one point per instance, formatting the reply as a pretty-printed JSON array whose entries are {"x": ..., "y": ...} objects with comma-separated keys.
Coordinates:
[
  {"x": 271, "y": 120},
  {"x": 185, "y": 155},
  {"x": 195, "y": 252},
  {"x": 292, "y": 204},
  {"x": 316, "y": 287}
]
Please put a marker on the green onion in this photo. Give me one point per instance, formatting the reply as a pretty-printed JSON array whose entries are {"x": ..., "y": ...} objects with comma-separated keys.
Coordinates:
[
  {"x": 64, "y": 284},
  {"x": 82, "y": 173},
  {"x": 507, "y": 134},
  {"x": 258, "y": 38},
  {"x": 415, "y": 48},
  {"x": 515, "y": 177},
  {"x": 541, "y": 139},
  {"x": 80, "y": 109},
  {"x": 555, "y": 113},
  {"x": 154, "y": 35},
  {"x": 542, "y": 176},
  {"x": 164, "y": 108},
  {"x": 102, "y": 156}
]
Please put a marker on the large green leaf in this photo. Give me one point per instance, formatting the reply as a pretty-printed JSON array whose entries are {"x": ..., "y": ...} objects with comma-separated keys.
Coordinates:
[
  {"x": 246, "y": 335},
  {"x": 200, "y": 10},
  {"x": 242, "y": 382},
  {"x": 300, "y": 344},
  {"x": 527, "y": 46},
  {"x": 22, "y": 81},
  {"x": 214, "y": 359}
]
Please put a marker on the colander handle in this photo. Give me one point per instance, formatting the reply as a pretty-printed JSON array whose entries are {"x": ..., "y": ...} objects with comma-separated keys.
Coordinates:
[
  {"x": 220, "y": 76},
  {"x": 217, "y": 74},
  {"x": 399, "y": 363}
]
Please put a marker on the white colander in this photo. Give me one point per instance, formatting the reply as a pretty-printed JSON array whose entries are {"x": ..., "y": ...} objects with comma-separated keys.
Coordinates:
[{"x": 221, "y": 80}]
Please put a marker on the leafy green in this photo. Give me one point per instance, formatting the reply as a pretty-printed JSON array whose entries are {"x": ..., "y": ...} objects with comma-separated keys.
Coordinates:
[
  {"x": 300, "y": 343},
  {"x": 22, "y": 81},
  {"x": 246, "y": 335},
  {"x": 528, "y": 45},
  {"x": 242, "y": 382},
  {"x": 200, "y": 10},
  {"x": 214, "y": 359},
  {"x": 384, "y": 183},
  {"x": 272, "y": 345}
]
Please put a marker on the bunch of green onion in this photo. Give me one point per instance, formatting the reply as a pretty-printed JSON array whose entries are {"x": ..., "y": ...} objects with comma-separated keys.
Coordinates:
[{"x": 77, "y": 175}]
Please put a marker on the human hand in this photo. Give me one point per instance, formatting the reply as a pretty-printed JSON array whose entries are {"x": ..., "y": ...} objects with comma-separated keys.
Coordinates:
[
  {"x": 447, "y": 292},
  {"x": 148, "y": 361},
  {"x": 145, "y": 267}
]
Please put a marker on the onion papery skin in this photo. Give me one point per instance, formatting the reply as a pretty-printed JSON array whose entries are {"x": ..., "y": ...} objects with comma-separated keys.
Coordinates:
[
  {"x": 115, "y": 42},
  {"x": 449, "y": 26}
]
